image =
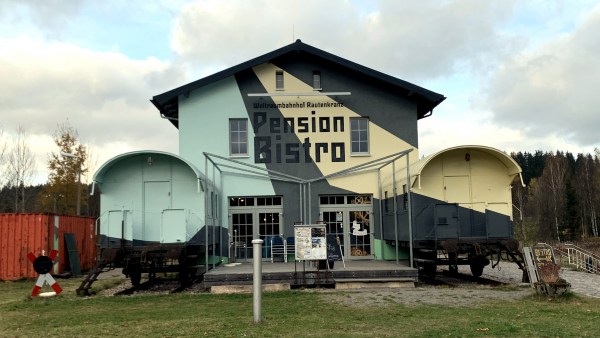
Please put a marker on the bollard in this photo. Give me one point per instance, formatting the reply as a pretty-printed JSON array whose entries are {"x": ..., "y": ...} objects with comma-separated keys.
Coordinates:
[{"x": 257, "y": 279}]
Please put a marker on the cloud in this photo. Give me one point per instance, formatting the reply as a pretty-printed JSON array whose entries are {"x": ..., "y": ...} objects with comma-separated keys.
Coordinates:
[
  {"x": 411, "y": 42},
  {"x": 552, "y": 90},
  {"x": 51, "y": 16},
  {"x": 104, "y": 95}
]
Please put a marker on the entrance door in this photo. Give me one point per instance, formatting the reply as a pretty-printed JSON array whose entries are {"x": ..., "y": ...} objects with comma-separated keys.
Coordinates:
[
  {"x": 254, "y": 218},
  {"x": 349, "y": 219}
]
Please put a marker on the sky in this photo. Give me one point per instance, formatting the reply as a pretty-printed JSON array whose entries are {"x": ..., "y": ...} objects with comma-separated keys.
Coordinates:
[{"x": 518, "y": 75}]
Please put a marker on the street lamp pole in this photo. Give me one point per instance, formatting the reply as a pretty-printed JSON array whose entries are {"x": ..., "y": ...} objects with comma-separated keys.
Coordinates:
[{"x": 64, "y": 154}]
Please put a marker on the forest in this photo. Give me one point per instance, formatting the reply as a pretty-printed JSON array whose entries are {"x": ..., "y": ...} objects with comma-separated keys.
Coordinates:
[{"x": 560, "y": 199}]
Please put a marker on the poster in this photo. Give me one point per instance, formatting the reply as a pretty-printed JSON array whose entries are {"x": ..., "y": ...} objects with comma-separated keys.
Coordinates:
[{"x": 311, "y": 242}]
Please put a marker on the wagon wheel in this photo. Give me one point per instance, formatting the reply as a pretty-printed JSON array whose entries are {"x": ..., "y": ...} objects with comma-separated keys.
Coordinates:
[
  {"x": 477, "y": 263},
  {"x": 135, "y": 273},
  {"x": 426, "y": 262}
]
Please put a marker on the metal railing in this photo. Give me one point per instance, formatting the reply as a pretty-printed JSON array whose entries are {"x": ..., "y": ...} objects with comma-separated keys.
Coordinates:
[{"x": 580, "y": 258}]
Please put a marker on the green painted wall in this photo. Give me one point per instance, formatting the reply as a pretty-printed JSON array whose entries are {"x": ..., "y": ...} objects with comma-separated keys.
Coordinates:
[{"x": 204, "y": 127}]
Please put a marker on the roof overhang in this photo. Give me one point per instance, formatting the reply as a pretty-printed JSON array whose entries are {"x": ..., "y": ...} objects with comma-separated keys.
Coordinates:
[{"x": 168, "y": 103}]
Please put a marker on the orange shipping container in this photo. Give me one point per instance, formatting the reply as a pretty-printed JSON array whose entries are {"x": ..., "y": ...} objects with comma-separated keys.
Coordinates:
[{"x": 39, "y": 234}]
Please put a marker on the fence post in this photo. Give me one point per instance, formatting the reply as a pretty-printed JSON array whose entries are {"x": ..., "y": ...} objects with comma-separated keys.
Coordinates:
[{"x": 257, "y": 280}]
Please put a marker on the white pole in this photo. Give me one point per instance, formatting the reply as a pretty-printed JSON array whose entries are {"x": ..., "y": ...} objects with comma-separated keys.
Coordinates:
[{"x": 257, "y": 280}]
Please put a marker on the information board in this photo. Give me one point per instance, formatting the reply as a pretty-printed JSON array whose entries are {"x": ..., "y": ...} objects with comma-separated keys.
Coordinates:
[
  {"x": 535, "y": 258},
  {"x": 333, "y": 248},
  {"x": 543, "y": 254},
  {"x": 311, "y": 242}
]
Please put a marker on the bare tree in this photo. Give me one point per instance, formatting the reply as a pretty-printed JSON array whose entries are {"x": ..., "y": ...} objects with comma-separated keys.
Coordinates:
[
  {"x": 20, "y": 166},
  {"x": 553, "y": 184},
  {"x": 587, "y": 193},
  {"x": 520, "y": 196}
]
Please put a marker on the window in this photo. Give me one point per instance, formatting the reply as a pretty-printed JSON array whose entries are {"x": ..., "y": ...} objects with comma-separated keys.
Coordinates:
[
  {"x": 316, "y": 80},
  {"x": 238, "y": 137},
  {"x": 359, "y": 135},
  {"x": 279, "y": 80}
]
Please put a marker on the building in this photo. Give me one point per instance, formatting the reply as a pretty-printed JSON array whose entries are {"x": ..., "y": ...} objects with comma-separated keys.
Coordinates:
[{"x": 302, "y": 136}]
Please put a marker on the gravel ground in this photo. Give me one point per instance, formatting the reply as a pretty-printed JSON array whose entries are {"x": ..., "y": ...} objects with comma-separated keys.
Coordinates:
[{"x": 466, "y": 294}]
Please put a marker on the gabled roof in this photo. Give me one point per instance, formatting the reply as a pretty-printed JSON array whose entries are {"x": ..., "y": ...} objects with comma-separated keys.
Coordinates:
[{"x": 167, "y": 103}]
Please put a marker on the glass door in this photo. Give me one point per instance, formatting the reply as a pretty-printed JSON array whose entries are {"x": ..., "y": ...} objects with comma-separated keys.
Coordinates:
[
  {"x": 359, "y": 233},
  {"x": 334, "y": 225},
  {"x": 254, "y": 218},
  {"x": 348, "y": 218}
]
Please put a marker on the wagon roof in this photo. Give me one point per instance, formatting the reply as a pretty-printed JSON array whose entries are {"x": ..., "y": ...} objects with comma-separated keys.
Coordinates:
[
  {"x": 99, "y": 175},
  {"x": 511, "y": 165},
  {"x": 168, "y": 104}
]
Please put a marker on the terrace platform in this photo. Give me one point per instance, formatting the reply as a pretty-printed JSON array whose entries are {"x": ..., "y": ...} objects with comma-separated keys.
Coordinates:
[{"x": 358, "y": 273}]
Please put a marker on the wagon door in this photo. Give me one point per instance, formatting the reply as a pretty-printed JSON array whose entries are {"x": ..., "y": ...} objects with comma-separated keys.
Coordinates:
[
  {"x": 446, "y": 221},
  {"x": 157, "y": 198}
]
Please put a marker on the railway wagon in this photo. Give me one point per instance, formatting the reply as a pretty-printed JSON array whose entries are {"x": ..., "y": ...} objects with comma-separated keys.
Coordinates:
[
  {"x": 459, "y": 208},
  {"x": 158, "y": 213}
]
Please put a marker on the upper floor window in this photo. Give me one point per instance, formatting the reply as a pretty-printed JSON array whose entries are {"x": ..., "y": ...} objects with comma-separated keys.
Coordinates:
[
  {"x": 238, "y": 137},
  {"x": 279, "y": 80},
  {"x": 316, "y": 80},
  {"x": 359, "y": 135}
]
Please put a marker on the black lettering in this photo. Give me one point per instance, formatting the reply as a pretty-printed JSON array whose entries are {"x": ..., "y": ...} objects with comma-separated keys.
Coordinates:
[
  {"x": 303, "y": 124},
  {"x": 288, "y": 124},
  {"x": 338, "y": 124},
  {"x": 313, "y": 121},
  {"x": 291, "y": 149},
  {"x": 318, "y": 147},
  {"x": 306, "y": 146},
  {"x": 275, "y": 124},
  {"x": 278, "y": 149},
  {"x": 260, "y": 118},
  {"x": 324, "y": 125},
  {"x": 338, "y": 152},
  {"x": 262, "y": 149}
]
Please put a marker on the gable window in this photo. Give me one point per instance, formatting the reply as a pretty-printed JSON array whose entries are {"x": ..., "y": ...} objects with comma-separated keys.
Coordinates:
[
  {"x": 316, "y": 80},
  {"x": 238, "y": 137},
  {"x": 279, "y": 80},
  {"x": 359, "y": 135}
]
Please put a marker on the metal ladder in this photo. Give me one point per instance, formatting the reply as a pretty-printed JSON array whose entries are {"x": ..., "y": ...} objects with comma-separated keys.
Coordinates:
[{"x": 86, "y": 284}]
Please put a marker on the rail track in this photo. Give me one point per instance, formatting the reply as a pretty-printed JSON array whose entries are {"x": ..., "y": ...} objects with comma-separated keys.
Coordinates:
[
  {"x": 446, "y": 278},
  {"x": 158, "y": 285}
]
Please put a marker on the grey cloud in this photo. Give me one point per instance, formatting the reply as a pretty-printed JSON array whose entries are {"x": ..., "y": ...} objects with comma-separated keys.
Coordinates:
[
  {"x": 552, "y": 89},
  {"x": 400, "y": 38},
  {"x": 104, "y": 95}
]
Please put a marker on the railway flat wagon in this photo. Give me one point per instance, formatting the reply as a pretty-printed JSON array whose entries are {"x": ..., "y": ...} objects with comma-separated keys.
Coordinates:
[
  {"x": 460, "y": 209},
  {"x": 158, "y": 214}
]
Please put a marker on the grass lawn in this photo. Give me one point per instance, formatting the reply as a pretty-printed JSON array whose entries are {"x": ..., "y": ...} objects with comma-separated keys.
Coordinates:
[{"x": 289, "y": 313}]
